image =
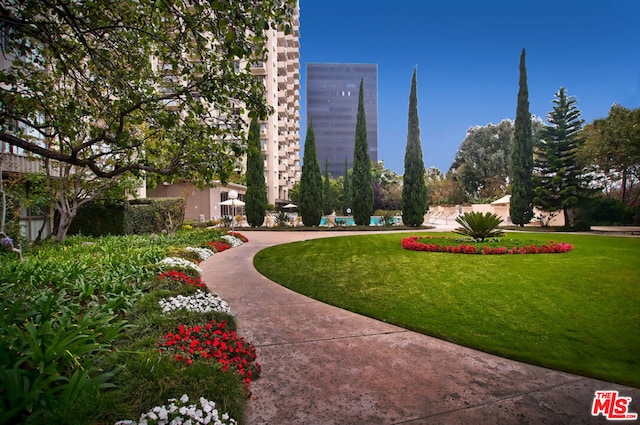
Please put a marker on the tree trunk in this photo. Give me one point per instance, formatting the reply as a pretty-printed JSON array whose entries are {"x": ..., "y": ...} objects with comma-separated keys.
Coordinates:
[
  {"x": 624, "y": 186},
  {"x": 67, "y": 212}
]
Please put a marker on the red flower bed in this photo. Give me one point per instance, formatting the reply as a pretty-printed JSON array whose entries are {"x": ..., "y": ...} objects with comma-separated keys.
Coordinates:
[
  {"x": 182, "y": 278},
  {"x": 415, "y": 243},
  {"x": 240, "y": 236},
  {"x": 219, "y": 246},
  {"x": 213, "y": 342}
]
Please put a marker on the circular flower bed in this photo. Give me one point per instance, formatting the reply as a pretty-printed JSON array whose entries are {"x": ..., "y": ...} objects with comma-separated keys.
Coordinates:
[{"x": 494, "y": 246}]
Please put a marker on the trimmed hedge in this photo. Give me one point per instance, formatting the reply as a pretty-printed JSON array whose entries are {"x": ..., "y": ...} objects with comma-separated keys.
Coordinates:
[
  {"x": 154, "y": 215},
  {"x": 99, "y": 219},
  {"x": 138, "y": 216}
]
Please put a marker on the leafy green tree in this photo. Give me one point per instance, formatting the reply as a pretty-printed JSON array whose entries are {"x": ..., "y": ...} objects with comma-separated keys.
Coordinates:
[
  {"x": 485, "y": 156},
  {"x": 387, "y": 188},
  {"x": 132, "y": 88},
  {"x": 346, "y": 196},
  {"x": 256, "y": 196},
  {"x": 414, "y": 190},
  {"x": 612, "y": 145},
  {"x": 294, "y": 193},
  {"x": 521, "y": 207},
  {"x": 362, "y": 191},
  {"x": 483, "y": 160},
  {"x": 328, "y": 199},
  {"x": 558, "y": 176},
  {"x": 310, "y": 207}
]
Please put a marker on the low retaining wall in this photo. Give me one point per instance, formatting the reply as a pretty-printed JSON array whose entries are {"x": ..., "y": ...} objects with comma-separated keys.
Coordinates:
[{"x": 613, "y": 230}]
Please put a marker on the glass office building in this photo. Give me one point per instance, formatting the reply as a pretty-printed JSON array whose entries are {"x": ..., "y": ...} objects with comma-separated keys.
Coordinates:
[{"x": 332, "y": 106}]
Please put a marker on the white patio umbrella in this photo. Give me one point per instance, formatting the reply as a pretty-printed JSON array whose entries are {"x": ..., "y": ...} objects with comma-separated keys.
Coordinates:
[
  {"x": 233, "y": 202},
  {"x": 290, "y": 206}
]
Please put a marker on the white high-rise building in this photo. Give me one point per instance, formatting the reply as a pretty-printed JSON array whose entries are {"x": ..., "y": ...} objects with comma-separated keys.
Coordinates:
[{"x": 280, "y": 133}]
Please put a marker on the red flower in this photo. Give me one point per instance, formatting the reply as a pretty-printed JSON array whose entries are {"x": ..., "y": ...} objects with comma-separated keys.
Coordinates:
[
  {"x": 213, "y": 341},
  {"x": 414, "y": 243},
  {"x": 219, "y": 246},
  {"x": 181, "y": 277},
  {"x": 240, "y": 236}
]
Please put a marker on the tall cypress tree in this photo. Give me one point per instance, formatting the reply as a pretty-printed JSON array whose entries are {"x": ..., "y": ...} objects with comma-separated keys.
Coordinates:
[
  {"x": 256, "y": 197},
  {"x": 414, "y": 190},
  {"x": 310, "y": 182},
  {"x": 346, "y": 194},
  {"x": 558, "y": 179},
  {"x": 327, "y": 198},
  {"x": 521, "y": 208},
  {"x": 362, "y": 190}
]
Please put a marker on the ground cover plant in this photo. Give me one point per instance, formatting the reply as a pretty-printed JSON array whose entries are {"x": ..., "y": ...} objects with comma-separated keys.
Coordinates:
[
  {"x": 575, "y": 312},
  {"x": 85, "y": 328}
]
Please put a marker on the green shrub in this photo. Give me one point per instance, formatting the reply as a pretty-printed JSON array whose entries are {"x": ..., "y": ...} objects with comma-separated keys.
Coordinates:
[
  {"x": 602, "y": 211},
  {"x": 99, "y": 219},
  {"x": 154, "y": 215},
  {"x": 479, "y": 226},
  {"x": 47, "y": 353}
]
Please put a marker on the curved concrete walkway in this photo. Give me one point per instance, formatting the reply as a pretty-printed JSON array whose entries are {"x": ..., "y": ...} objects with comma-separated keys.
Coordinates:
[{"x": 323, "y": 365}]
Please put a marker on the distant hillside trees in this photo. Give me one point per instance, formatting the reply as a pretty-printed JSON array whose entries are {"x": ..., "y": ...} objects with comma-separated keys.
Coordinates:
[
  {"x": 414, "y": 190},
  {"x": 483, "y": 161},
  {"x": 612, "y": 147},
  {"x": 482, "y": 165},
  {"x": 387, "y": 189}
]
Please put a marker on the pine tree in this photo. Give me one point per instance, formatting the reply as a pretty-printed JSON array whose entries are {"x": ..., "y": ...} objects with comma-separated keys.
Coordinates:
[
  {"x": 414, "y": 190},
  {"x": 327, "y": 195},
  {"x": 521, "y": 208},
  {"x": 362, "y": 191},
  {"x": 310, "y": 182},
  {"x": 558, "y": 177},
  {"x": 346, "y": 195},
  {"x": 256, "y": 196}
]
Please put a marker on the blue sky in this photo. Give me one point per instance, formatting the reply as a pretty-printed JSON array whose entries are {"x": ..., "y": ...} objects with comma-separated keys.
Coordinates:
[{"x": 467, "y": 55}]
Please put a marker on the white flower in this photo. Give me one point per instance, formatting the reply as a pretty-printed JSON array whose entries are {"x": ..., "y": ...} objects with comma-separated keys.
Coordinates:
[
  {"x": 179, "y": 412},
  {"x": 171, "y": 262},
  {"x": 200, "y": 302},
  {"x": 203, "y": 253},
  {"x": 232, "y": 240}
]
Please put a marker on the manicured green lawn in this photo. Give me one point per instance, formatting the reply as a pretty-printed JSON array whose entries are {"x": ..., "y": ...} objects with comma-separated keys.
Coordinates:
[{"x": 577, "y": 312}]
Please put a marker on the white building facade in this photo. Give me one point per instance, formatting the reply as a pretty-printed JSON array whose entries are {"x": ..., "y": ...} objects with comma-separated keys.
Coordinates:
[{"x": 280, "y": 133}]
